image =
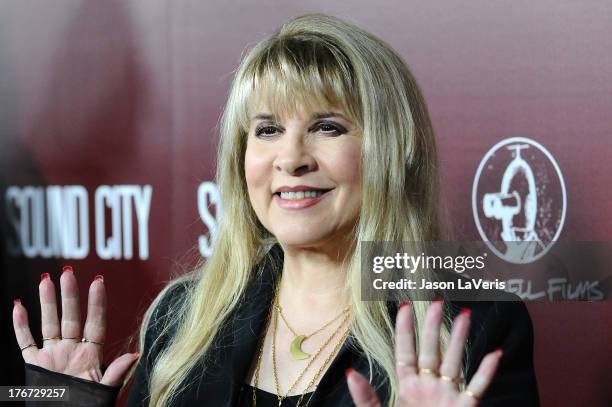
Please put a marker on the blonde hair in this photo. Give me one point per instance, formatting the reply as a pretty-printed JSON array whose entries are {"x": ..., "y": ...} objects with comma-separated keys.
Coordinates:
[{"x": 312, "y": 61}]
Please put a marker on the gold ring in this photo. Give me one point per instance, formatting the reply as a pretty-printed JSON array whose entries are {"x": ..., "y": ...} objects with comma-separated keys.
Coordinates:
[
  {"x": 55, "y": 337},
  {"x": 427, "y": 370},
  {"x": 90, "y": 341},
  {"x": 75, "y": 337},
  {"x": 471, "y": 394},
  {"x": 27, "y": 346},
  {"x": 448, "y": 378}
]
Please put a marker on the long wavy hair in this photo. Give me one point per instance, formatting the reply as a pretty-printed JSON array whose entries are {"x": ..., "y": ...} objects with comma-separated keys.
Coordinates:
[{"x": 313, "y": 61}]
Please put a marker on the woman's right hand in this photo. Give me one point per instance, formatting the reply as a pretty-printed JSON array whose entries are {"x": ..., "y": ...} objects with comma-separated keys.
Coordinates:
[{"x": 63, "y": 351}]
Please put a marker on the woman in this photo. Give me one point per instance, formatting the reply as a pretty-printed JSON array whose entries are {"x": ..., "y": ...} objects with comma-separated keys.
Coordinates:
[{"x": 326, "y": 133}]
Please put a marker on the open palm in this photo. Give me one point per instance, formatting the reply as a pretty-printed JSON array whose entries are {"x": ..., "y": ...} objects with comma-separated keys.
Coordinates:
[
  {"x": 425, "y": 380},
  {"x": 63, "y": 351}
]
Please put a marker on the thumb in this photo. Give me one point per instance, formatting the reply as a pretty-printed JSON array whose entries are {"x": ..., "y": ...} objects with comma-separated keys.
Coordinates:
[
  {"x": 361, "y": 390},
  {"x": 114, "y": 374}
]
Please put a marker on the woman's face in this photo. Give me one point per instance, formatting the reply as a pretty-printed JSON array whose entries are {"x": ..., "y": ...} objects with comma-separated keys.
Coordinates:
[{"x": 316, "y": 158}]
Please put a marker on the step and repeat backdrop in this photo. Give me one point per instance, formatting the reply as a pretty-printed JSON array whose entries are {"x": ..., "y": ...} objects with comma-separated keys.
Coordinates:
[{"x": 108, "y": 130}]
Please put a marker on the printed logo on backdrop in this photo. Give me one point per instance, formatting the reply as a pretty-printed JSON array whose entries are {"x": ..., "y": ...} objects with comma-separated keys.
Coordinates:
[
  {"x": 54, "y": 221},
  {"x": 519, "y": 200}
]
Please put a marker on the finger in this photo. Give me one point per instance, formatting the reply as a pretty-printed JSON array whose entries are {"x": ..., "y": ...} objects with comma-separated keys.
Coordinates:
[
  {"x": 429, "y": 353},
  {"x": 361, "y": 390},
  {"x": 453, "y": 357},
  {"x": 405, "y": 354},
  {"x": 117, "y": 370},
  {"x": 71, "y": 309},
  {"x": 22, "y": 332},
  {"x": 50, "y": 326},
  {"x": 95, "y": 324},
  {"x": 482, "y": 378}
]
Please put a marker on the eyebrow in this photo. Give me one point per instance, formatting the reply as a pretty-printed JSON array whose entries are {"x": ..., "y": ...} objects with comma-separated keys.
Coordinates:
[{"x": 320, "y": 115}]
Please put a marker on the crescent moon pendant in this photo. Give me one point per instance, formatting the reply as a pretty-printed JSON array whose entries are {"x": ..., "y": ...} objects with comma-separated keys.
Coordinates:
[{"x": 296, "y": 348}]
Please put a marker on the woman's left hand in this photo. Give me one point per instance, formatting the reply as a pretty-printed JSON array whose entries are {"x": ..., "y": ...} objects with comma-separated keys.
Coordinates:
[{"x": 424, "y": 381}]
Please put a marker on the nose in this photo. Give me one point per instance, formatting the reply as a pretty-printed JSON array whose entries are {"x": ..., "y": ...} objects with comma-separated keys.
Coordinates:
[{"x": 293, "y": 156}]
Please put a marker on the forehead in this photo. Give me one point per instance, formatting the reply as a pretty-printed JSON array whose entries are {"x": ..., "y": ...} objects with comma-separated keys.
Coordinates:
[
  {"x": 264, "y": 106},
  {"x": 262, "y": 111}
]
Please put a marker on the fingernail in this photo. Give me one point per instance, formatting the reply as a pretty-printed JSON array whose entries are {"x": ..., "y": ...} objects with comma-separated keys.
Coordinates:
[
  {"x": 405, "y": 303},
  {"x": 99, "y": 277},
  {"x": 438, "y": 300},
  {"x": 499, "y": 352},
  {"x": 349, "y": 371},
  {"x": 44, "y": 276},
  {"x": 66, "y": 268},
  {"x": 16, "y": 301},
  {"x": 136, "y": 355},
  {"x": 466, "y": 311}
]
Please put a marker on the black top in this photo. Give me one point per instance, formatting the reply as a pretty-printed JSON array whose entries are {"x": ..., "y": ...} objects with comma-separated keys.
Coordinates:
[
  {"x": 265, "y": 399},
  {"x": 500, "y": 324}
]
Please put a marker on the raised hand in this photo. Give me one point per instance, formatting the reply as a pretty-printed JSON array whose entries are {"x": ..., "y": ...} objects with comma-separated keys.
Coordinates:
[
  {"x": 426, "y": 381},
  {"x": 66, "y": 349}
]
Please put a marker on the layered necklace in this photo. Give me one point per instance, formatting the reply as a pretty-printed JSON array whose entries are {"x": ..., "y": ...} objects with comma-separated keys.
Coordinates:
[
  {"x": 295, "y": 350},
  {"x": 296, "y": 344}
]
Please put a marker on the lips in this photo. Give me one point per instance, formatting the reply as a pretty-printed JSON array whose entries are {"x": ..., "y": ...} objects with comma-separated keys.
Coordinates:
[
  {"x": 300, "y": 188},
  {"x": 278, "y": 193},
  {"x": 303, "y": 203}
]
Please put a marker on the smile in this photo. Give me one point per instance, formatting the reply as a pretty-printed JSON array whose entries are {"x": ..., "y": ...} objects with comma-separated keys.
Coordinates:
[{"x": 299, "y": 200}]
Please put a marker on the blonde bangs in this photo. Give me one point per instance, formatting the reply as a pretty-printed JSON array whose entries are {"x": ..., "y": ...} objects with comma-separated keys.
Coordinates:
[{"x": 298, "y": 73}]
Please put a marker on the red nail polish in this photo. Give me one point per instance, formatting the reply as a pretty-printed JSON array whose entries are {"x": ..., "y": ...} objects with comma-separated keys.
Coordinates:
[
  {"x": 438, "y": 300},
  {"x": 405, "y": 303},
  {"x": 500, "y": 352},
  {"x": 349, "y": 371},
  {"x": 66, "y": 268},
  {"x": 99, "y": 277},
  {"x": 466, "y": 311},
  {"x": 16, "y": 301},
  {"x": 44, "y": 276}
]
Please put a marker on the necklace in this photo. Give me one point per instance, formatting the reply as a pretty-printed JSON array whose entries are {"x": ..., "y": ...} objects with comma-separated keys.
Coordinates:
[
  {"x": 296, "y": 345},
  {"x": 310, "y": 362},
  {"x": 326, "y": 362}
]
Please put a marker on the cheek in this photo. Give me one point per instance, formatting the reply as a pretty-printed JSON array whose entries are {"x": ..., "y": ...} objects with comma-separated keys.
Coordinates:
[
  {"x": 257, "y": 175},
  {"x": 253, "y": 167},
  {"x": 347, "y": 167}
]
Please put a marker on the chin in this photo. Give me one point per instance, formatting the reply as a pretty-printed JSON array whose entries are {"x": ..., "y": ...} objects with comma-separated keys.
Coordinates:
[
  {"x": 296, "y": 242},
  {"x": 291, "y": 239}
]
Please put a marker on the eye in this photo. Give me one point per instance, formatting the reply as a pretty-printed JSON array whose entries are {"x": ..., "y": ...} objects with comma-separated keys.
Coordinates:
[
  {"x": 265, "y": 131},
  {"x": 329, "y": 128}
]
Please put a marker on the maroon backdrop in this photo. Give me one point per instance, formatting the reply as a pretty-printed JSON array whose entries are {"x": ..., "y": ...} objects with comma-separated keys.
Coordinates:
[{"x": 100, "y": 100}]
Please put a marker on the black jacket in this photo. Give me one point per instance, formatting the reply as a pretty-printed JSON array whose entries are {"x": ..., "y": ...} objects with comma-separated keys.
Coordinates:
[{"x": 501, "y": 324}]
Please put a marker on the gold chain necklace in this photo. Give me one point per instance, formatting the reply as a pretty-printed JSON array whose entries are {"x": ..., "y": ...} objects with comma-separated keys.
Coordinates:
[
  {"x": 310, "y": 362},
  {"x": 326, "y": 363},
  {"x": 315, "y": 377},
  {"x": 295, "y": 349}
]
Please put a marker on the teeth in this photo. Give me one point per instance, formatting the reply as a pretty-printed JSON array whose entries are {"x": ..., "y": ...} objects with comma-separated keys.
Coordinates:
[{"x": 300, "y": 195}]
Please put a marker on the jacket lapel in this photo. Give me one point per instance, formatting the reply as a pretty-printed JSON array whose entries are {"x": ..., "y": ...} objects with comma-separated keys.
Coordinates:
[
  {"x": 228, "y": 362},
  {"x": 247, "y": 328}
]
